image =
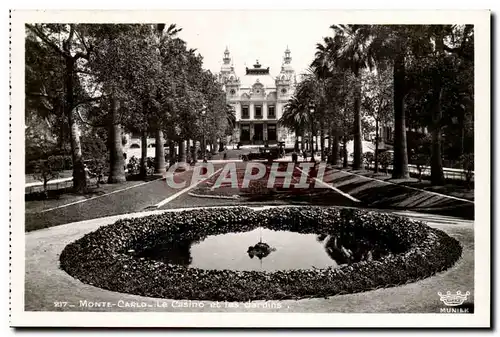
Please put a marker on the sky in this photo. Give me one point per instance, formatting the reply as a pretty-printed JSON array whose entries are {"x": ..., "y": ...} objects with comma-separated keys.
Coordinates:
[{"x": 253, "y": 35}]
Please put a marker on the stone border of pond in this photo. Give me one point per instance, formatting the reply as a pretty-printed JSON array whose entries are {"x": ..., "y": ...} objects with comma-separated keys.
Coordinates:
[{"x": 411, "y": 251}]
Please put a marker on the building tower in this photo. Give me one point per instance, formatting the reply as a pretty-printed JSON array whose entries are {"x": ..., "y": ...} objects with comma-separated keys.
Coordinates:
[
  {"x": 285, "y": 81},
  {"x": 227, "y": 76},
  {"x": 226, "y": 68}
]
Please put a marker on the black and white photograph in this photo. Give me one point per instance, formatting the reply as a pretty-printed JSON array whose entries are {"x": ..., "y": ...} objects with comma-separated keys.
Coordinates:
[{"x": 250, "y": 165}]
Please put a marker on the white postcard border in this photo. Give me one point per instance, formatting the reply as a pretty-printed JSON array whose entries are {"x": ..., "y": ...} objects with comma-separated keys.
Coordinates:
[{"x": 481, "y": 316}]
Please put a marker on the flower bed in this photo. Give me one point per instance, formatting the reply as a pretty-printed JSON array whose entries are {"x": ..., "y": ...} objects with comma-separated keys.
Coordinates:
[
  {"x": 258, "y": 190},
  {"x": 403, "y": 251}
]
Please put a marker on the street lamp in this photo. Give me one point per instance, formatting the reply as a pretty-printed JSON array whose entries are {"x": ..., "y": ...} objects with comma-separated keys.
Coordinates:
[{"x": 203, "y": 116}]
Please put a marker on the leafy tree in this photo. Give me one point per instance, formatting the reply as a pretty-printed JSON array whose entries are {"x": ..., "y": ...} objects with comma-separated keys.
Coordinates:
[
  {"x": 46, "y": 170},
  {"x": 348, "y": 50},
  {"x": 389, "y": 47},
  {"x": 377, "y": 101},
  {"x": 116, "y": 66},
  {"x": 441, "y": 95},
  {"x": 67, "y": 41}
]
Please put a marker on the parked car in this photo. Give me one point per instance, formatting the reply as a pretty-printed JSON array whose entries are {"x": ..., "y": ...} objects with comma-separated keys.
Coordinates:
[{"x": 268, "y": 153}]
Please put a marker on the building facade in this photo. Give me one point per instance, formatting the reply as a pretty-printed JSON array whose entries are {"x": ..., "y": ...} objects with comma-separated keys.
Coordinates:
[{"x": 258, "y": 99}]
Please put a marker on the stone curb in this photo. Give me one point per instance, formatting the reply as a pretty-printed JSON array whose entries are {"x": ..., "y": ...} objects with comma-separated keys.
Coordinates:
[
  {"x": 208, "y": 196},
  {"x": 46, "y": 283}
]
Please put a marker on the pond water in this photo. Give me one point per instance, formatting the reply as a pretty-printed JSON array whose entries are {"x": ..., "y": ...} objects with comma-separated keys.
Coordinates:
[{"x": 261, "y": 249}]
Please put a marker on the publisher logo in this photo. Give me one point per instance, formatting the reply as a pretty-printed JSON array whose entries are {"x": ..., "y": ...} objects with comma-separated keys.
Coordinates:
[{"x": 453, "y": 300}]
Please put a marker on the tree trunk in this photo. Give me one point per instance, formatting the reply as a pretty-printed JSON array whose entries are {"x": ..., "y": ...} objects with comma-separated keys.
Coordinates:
[
  {"x": 400, "y": 166},
  {"x": 194, "y": 152},
  {"x": 335, "y": 150},
  {"x": 358, "y": 137},
  {"x": 159, "y": 152},
  {"x": 344, "y": 151},
  {"x": 45, "y": 189},
  {"x": 437, "y": 174},
  {"x": 182, "y": 151},
  {"x": 296, "y": 145},
  {"x": 144, "y": 153},
  {"x": 79, "y": 177},
  {"x": 311, "y": 141},
  {"x": 216, "y": 146},
  {"x": 188, "y": 151},
  {"x": 376, "y": 144},
  {"x": 322, "y": 144},
  {"x": 116, "y": 160},
  {"x": 203, "y": 147},
  {"x": 171, "y": 151},
  {"x": 462, "y": 140},
  {"x": 330, "y": 140}
]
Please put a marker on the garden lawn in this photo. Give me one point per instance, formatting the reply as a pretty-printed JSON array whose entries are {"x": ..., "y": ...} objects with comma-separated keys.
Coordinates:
[
  {"x": 68, "y": 197},
  {"x": 380, "y": 191}
]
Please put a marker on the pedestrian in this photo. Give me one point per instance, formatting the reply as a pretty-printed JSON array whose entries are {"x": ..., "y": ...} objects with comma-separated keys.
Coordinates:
[{"x": 304, "y": 154}]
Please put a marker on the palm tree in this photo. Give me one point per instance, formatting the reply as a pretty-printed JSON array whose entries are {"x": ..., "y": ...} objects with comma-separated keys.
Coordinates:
[
  {"x": 337, "y": 89},
  {"x": 295, "y": 117},
  {"x": 318, "y": 87},
  {"x": 348, "y": 50},
  {"x": 230, "y": 117},
  {"x": 391, "y": 45}
]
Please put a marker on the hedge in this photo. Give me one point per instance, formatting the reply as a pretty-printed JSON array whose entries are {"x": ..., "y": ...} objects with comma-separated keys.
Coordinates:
[{"x": 403, "y": 251}]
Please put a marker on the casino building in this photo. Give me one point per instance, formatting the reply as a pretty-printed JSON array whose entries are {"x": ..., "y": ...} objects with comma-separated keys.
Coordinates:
[{"x": 258, "y": 99}]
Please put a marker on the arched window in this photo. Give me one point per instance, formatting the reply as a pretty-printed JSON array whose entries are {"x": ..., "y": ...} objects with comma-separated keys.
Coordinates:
[{"x": 135, "y": 146}]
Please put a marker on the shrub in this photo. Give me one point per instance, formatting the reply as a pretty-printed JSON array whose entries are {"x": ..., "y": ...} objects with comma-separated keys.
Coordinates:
[
  {"x": 385, "y": 159},
  {"x": 46, "y": 170},
  {"x": 420, "y": 160},
  {"x": 368, "y": 158},
  {"x": 403, "y": 251},
  {"x": 467, "y": 163}
]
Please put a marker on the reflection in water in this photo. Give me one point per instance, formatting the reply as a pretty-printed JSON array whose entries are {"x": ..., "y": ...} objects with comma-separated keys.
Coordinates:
[
  {"x": 178, "y": 252},
  {"x": 261, "y": 250},
  {"x": 275, "y": 250},
  {"x": 290, "y": 250},
  {"x": 347, "y": 251}
]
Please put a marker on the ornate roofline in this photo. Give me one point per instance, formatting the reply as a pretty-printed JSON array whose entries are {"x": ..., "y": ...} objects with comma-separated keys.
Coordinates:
[{"x": 257, "y": 71}]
